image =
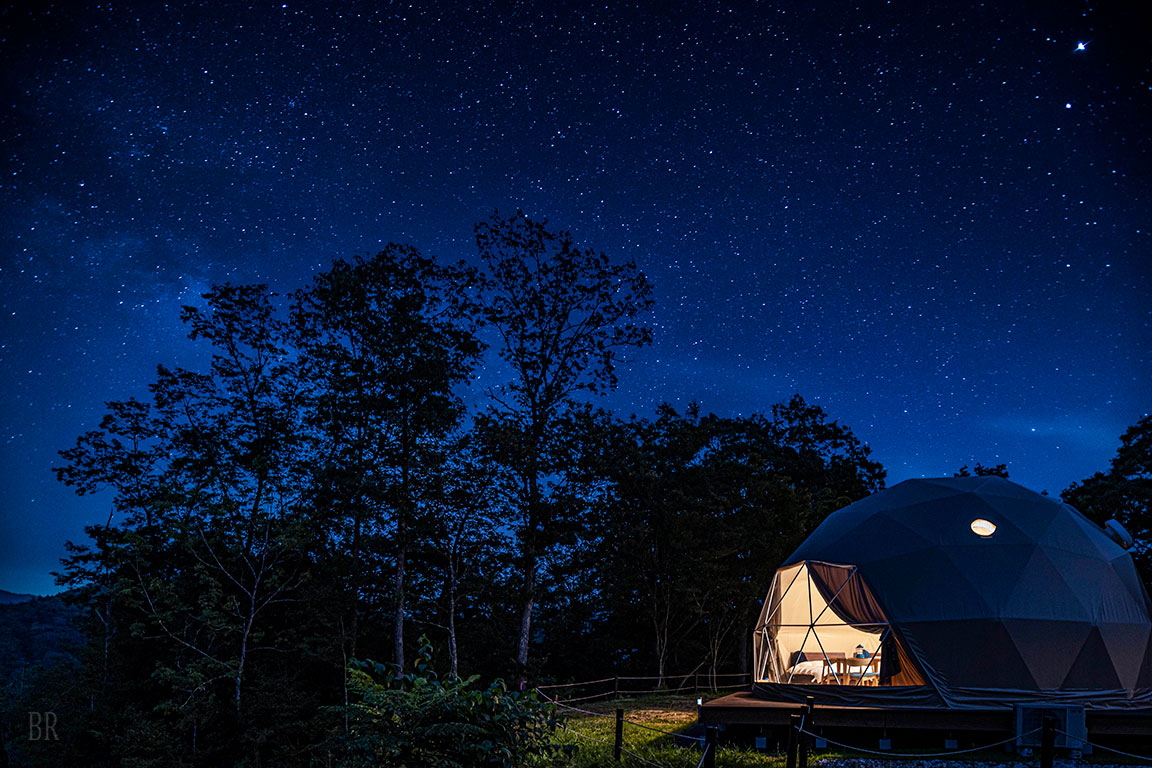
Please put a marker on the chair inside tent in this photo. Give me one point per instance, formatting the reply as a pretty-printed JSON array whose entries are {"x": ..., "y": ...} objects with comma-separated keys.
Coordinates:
[{"x": 821, "y": 624}]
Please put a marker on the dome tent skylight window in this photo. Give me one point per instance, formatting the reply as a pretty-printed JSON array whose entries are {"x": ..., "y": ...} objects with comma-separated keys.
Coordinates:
[{"x": 983, "y": 528}]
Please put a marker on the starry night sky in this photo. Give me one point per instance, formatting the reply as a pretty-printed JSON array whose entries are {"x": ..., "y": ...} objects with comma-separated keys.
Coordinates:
[{"x": 931, "y": 219}]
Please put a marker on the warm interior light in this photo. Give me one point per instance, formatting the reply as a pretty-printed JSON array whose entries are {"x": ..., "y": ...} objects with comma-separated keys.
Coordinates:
[{"x": 983, "y": 528}]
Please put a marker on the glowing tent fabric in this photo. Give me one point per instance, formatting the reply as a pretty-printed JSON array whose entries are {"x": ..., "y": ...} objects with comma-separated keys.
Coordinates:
[
  {"x": 821, "y": 624},
  {"x": 1046, "y": 607}
]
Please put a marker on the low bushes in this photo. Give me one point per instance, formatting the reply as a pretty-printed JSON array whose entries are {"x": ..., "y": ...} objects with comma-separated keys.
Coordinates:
[{"x": 416, "y": 720}]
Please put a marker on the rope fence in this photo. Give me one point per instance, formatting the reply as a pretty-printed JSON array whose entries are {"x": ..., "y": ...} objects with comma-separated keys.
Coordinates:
[
  {"x": 707, "y": 758},
  {"x": 587, "y": 682},
  {"x": 800, "y": 735},
  {"x": 692, "y": 739},
  {"x": 626, "y": 751},
  {"x": 669, "y": 684},
  {"x": 890, "y": 753},
  {"x": 1142, "y": 758}
]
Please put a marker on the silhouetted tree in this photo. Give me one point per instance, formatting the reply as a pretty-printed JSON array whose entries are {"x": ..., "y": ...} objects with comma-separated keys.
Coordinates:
[
  {"x": 824, "y": 457},
  {"x": 319, "y": 485},
  {"x": 466, "y": 547},
  {"x": 703, "y": 509},
  {"x": 997, "y": 470},
  {"x": 191, "y": 579},
  {"x": 384, "y": 341},
  {"x": 563, "y": 315},
  {"x": 1124, "y": 492}
]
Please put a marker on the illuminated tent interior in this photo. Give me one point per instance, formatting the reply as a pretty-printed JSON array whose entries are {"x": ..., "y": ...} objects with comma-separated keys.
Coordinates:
[
  {"x": 962, "y": 592},
  {"x": 821, "y": 624}
]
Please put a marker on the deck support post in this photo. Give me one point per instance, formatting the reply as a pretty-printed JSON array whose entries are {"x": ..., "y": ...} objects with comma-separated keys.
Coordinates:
[{"x": 805, "y": 741}]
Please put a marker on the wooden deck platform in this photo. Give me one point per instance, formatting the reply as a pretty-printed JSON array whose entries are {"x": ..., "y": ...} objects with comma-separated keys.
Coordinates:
[{"x": 743, "y": 709}]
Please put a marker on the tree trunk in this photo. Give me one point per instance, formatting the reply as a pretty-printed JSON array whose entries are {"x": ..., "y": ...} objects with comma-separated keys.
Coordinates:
[
  {"x": 404, "y": 510},
  {"x": 359, "y": 511},
  {"x": 398, "y": 620},
  {"x": 354, "y": 582},
  {"x": 244, "y": 650},
  {"x": 661, "y": 638},
  {"x": 526, "y": 618},
  {"x": 529, "y": 544},
  {"x": 344, "y": 669},
  {"x": 452, "y": 659}
]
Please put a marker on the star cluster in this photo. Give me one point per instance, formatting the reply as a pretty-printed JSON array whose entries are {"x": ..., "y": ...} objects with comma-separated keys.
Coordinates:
[{"x": 931, "y": 219}]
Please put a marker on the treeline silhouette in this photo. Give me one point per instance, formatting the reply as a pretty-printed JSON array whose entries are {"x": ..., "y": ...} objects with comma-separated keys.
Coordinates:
[{"x": 322, "y": 494}]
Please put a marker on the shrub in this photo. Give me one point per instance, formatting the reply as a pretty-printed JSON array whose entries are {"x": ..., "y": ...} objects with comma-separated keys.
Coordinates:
[{"x": 416, "y": 720}]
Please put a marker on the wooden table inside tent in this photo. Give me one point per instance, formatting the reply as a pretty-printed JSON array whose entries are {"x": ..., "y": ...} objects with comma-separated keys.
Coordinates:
[{"x": 853, "y": 671}]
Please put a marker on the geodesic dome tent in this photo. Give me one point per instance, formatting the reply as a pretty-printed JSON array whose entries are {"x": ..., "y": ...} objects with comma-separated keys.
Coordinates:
[{"x": 957, "y": 592}]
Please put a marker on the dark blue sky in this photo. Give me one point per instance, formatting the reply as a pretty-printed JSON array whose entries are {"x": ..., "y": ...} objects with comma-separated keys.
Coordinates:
[{"x": 931, "y": 219}]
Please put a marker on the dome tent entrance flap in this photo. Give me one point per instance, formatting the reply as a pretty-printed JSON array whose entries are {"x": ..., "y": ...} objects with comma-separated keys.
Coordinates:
[{"x": 985, "y": 591}]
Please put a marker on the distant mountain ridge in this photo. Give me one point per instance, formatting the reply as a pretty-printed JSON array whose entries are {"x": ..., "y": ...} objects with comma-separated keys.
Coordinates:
[{"x": 36, "y": 632}]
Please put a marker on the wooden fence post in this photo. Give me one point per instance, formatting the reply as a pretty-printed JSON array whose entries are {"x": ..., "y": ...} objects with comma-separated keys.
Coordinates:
[
  {"x": 709, "y": 747},
  {"x": 619, "y": 747},
  {"x": 1048, "y": 741},
  {"x": 793, "y": 732},
  {"x": 615, "y": 687}
]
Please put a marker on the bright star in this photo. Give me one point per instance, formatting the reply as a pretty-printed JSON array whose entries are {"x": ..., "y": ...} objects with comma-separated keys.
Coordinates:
[{"x": 1081, "y": 46}]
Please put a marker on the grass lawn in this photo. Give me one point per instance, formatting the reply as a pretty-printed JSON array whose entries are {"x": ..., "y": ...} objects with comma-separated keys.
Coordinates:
[{"x": 674, "y": 713}]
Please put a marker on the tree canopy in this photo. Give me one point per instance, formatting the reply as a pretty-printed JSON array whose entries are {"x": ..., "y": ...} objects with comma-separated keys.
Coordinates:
[
  {"x": 328, "y": 487},
  {"x": 1123, "y": 492}
]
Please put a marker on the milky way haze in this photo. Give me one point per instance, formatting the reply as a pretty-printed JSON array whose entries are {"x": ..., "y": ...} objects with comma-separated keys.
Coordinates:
[{"x": 930, "y": 219}]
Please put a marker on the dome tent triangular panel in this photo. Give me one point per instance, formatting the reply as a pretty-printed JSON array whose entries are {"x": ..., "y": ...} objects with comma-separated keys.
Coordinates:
[
  {"x": 1093, "y": 666},
  {"x": 1044, "y": 606},
  {"x": 972, "y": 646},
  {"x": 923, "y": 598},
  {"x": 1126, "y": 644},
  {"x": 1045, "y": 572},
  {"x": 1063, "y": 639}
]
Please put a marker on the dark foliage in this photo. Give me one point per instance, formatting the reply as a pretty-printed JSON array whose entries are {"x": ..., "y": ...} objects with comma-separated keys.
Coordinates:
[
  {"x": 996, "y": 470},
  {"x": 40, "y": 632},
  {"x": 418, "y": 720},
  {"x": 321, "y": 489},
  {"x": 1124, "y": 492},
  {"x": 565, "y": 316},
  {"x": 684, "y": 520}
]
